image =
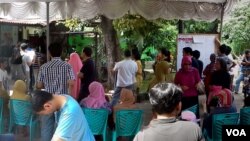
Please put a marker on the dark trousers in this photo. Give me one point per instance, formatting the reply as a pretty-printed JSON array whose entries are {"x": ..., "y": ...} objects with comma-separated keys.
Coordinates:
[
  {"x": 84, "y": 92},
  {"x": 189, "y": 102}
]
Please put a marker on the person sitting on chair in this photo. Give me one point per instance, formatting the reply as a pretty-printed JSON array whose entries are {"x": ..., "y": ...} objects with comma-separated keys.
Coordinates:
[
  {"x": 71, "y": 122},
  {"x": 165, "y": 99}
]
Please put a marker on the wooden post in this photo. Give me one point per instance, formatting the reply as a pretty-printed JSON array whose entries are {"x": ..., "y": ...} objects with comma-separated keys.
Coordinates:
[{"x": 221, "y": 20}]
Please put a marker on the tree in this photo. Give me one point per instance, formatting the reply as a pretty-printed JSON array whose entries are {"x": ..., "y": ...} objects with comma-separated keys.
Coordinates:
[
  {"x": 236, "y": 30},
  {"x": 148, "y": 35},
  {"x": 192, "y": 26},
  {"x": 112, "y": 46}
]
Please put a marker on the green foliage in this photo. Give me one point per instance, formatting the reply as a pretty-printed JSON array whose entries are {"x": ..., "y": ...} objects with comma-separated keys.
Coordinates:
[
  {"x": 192, "y": 26},
  {"x": 147, "y": 35},
  {"x": 74, "y": 24},
  {"x": 149, "y": 54},
  {"x": 78, "y": 42},
  {"x": 236, "y": 30}
]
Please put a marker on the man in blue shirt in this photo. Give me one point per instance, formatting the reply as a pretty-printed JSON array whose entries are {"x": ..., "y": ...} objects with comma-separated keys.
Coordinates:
[{"x": 71, "y": 122}]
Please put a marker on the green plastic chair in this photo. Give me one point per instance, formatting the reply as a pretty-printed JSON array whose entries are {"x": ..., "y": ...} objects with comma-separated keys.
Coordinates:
[
  {"x": 245, "y": 116},
  {"x": 193, "y": 109},
  {"x": 1, "y": 116},
  {"x": 97, "y": 120},
  {"x": 218, "y": 121},
  {"x": 21, "y": 114},
  {"x": 127, "y": 123}
]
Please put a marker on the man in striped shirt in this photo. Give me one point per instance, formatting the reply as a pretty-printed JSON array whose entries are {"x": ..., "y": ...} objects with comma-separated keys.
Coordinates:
[{"x": 57, "y": 77}]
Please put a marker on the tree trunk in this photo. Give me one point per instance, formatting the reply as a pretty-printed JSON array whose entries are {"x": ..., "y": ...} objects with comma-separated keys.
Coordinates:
[
  {"x": 181, "y": 26},
  {"x": 112, "y": 47}
]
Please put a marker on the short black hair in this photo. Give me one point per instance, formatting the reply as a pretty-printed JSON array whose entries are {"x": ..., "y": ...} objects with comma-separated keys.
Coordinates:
[
  {"x": 55, "y": 49},
  {"x": 247, "y": 51},
  {"x": 39, "y": 98},
  {"x": 23, "y": 46},
  {"x": 136, "y": 54},
  {"x": 223, "y": 49},
  {"x": 164, "y": 97},
  {"x": 127, "y": 53},
  {"x": 166, "y": 53},
  {"x": 228, "y": 50},
  {"x": 188, "y": 50},
  {"x": 196, "y": 54},
  {"x": 87, "y": 51}
]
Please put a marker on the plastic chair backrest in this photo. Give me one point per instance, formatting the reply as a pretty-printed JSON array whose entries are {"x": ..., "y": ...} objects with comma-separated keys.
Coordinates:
[
  {"x": 245, "y": 116},
  {"x": 1, "y": 109},
  {"x": 20, "y": 112},
  {"x": 1, "y": 115},
  {"x": 222, "y": 119},
  {"x": 128, "y": 122},
  {"x": 7, "y": 137},
  {"x": 193, "y": 109},
  {"x": 97, "y": 119}
]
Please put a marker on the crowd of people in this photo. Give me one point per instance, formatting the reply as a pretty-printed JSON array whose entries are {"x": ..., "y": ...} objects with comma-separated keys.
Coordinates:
[{"x": 64, "y": 87}]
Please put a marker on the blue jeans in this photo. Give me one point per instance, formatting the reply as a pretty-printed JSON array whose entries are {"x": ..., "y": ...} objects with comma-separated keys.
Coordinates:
[
  {"x": 48, "y": 127},
  {"x": 237, "y": 83},
  {"x": 116, "y": 95}
]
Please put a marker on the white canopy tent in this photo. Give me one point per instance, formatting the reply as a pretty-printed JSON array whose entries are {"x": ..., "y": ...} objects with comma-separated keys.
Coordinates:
[{"x": 207, "y": 10}]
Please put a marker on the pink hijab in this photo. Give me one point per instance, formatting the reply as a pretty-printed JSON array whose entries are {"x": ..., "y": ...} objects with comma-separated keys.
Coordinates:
[
  {"x": 76, "y": 64},
  {"x": 96, "y": 98}
]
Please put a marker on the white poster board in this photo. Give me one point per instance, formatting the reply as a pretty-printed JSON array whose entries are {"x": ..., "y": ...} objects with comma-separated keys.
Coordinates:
[{"x": 205, "y": 43}]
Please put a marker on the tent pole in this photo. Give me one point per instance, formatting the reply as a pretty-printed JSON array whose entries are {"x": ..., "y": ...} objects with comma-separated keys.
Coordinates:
[
  {"x": 47, "y": 31},
  {"x": 222, "y": 18}
]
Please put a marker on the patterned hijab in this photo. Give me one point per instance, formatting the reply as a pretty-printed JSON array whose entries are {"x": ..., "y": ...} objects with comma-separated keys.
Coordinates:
[{"x": 127, "y": 100}]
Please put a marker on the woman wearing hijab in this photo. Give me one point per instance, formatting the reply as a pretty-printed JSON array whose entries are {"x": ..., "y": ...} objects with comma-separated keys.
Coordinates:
[
  {"x": 187, "y": 78},
  {"x": 76, "y": 65},
  {"x": 20, "y": 91},
  {"x": 127, "y": 100},
  {"x": 161, "y": 69},
  {"x": 137, "y": 58},
  {"x": 96, "y": 98}
]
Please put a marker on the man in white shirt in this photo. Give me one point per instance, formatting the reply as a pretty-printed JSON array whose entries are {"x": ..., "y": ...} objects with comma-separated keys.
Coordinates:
[
  {"x": 27, "y": 61},
  {"x": 126, "y": 71}
]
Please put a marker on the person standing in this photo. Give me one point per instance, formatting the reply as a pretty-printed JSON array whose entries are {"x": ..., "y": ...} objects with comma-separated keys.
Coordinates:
[
  {"x": 161, "y": 68},
  {"x": 245, "y": 69},
  {"x": 209, "y": 69},
  {"x": 76, "y": 63},
  {"x": 126, "y": 72},
  {"x": 196, "y": 55},
  {"x": 187, "y": 51},
  {"x": 187, "y": 78},
  {"x": 137, "y": 58},
  {"x": 87, "y": 73},
  {"x": 27, "y": 62},
  {"x": 57, "y": 77}
]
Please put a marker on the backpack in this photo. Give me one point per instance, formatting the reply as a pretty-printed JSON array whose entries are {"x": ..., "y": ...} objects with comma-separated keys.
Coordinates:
[{"x": 16, "y": 57}]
